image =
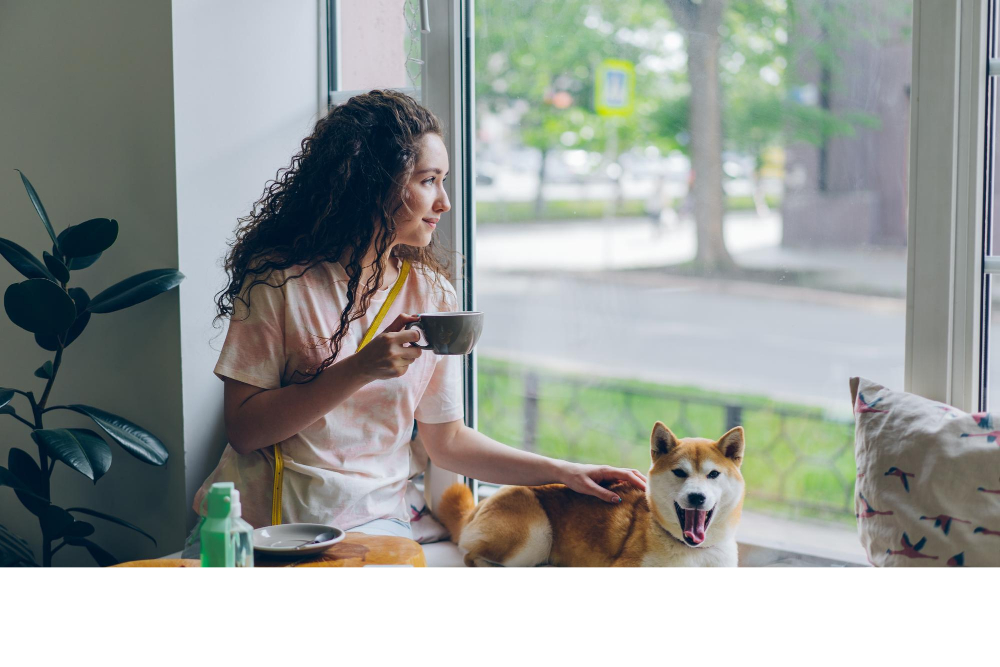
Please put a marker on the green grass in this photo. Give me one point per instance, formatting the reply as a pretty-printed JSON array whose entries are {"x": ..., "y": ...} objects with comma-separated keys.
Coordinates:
[
  {"x": 524, "y": 211},
  {"x": 799, "y": 462},
  {"x": 491, "y": 212}
]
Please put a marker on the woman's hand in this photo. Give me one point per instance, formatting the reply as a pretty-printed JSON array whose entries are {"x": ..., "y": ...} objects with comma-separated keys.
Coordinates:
[
  {"x": 584, "y": 478},
  {"x": 388, "y": 355}
]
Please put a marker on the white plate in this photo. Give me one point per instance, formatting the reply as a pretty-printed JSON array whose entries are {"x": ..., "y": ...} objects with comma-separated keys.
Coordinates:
[{"x": 282, "y": 540}]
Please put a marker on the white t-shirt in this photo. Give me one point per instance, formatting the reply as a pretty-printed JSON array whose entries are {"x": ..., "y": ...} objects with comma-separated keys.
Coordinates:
[{"x": 351, "y": 466}]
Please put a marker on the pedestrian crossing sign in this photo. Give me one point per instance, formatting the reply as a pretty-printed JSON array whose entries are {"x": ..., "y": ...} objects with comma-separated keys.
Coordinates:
[{"x": 614, "y": 88}]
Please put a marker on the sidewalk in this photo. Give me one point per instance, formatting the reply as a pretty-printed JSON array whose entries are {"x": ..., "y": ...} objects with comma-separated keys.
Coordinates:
[{"x": 637, "y": 243}]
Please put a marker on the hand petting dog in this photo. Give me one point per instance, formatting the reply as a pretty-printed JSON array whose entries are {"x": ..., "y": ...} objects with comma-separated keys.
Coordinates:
[{"x": 588, "y": 479}]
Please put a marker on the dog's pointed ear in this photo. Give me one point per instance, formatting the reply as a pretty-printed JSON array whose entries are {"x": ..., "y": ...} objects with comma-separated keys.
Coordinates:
[
  {"x": 731, "y": 445},
  {"x": 662, "y": 441}
]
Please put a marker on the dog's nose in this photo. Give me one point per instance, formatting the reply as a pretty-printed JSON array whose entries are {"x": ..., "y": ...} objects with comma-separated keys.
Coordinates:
[{"x": 696, "y": 499}]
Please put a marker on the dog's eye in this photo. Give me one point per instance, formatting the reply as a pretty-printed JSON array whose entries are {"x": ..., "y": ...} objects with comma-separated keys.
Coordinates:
[
  {"x": 713, "y": 474},
  {"x": 680, "y": 473}
]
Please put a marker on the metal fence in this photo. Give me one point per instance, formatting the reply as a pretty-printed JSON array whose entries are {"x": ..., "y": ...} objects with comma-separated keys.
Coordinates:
[{"x": 799, "y": 461}]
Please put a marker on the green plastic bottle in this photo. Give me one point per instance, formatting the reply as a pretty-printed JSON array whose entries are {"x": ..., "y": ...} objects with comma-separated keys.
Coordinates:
[
  {"x": 241, "y": 532},
  {"x": 216, "y": 538}
]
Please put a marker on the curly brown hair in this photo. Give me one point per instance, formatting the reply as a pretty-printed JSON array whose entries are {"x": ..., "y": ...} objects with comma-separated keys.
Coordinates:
[{"x": 341, "y": 192}]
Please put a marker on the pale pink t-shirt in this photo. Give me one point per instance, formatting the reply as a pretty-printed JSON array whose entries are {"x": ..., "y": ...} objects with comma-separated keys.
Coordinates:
[{"x": 351, "y": 466}]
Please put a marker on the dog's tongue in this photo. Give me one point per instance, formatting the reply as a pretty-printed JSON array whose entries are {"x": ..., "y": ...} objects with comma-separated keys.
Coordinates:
[{"x": 694, "y": 525}]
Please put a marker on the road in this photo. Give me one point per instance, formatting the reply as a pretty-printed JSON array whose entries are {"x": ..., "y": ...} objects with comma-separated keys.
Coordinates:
[{"x": 786, "y": 343}]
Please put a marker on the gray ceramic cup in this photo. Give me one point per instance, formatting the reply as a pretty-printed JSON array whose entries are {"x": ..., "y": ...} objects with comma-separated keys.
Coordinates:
[{"x": 449, "y": 333}]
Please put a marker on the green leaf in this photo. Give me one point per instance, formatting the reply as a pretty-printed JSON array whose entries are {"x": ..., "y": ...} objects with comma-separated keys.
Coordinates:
[
  {"x": 30, "y": 487},
  {"x": 56, "y": 267},
  {"x": 88, "y": 238},
  {"x": 38, "y": 206},
  {"x": 14, "y": 551},
  {"x": 77, "y": 531},
  {"x": 44, "y": 371},
  {"x": 136, "y": 289},
  {"x": 7, "y": 410},
  {"x": 32, "y": 502},
  {"x": 48, "y": 342},
  {"x": 7, "y": 478},
  {"x": 55, "y": 522},
  {"x": 134, "y": 439},
  {"x": 78, "y": 326},
  {"x": 77, "y": 263},
  {"x": 39, "y": 306},
  {"x": 81, "y": 299},
  {"x": 80, "y": 449},
  {"x": 23, "y": 261},
  {"x": 5, "y": 396},
  {"x": 113, "y": 519},
  {"x": 103, "y": 558}
]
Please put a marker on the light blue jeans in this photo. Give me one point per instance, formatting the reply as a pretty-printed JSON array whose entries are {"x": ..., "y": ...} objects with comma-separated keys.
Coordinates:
[{"x": 390, "y": 527}]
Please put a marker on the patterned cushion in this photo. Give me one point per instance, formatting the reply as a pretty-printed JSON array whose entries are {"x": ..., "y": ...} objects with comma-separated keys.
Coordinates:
[{"x": 928, "y": 480}]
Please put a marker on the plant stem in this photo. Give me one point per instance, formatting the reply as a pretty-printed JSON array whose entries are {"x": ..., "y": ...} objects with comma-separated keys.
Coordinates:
[
  {"x": 37, "y": 410},
  {"x": 22, "y": 420},
  {"x": 52, "y": 378}
]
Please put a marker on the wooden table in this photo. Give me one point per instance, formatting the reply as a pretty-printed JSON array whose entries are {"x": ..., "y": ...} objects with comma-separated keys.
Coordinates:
[{"x": 355, "y": 550}]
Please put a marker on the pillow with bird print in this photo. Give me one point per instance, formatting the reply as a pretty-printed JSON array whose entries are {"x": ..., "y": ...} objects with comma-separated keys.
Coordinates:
[{"x": 927, "y": 491}]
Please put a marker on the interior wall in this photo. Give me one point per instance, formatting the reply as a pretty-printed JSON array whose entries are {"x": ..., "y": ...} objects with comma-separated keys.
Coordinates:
[
  {"x": 246, "y": 75},
  {"x": 87, "y": 113},
  {"x": 170, "y": 117}
]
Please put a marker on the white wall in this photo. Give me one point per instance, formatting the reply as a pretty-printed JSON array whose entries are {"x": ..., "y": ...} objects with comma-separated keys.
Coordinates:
[
  {"x": 246, "y": 76},
  {"x": 169, "y": 117}
]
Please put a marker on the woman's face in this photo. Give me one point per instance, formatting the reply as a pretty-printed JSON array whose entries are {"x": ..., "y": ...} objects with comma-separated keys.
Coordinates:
[{"x": 426, "y": 199}]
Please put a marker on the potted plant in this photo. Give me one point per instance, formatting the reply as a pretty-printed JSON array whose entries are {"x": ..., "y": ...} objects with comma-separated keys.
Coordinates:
[{"x": 57, "y": 315}]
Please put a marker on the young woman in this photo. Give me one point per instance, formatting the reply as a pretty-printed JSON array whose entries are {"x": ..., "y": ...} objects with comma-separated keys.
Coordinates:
[{"x": 348, "y": 226}]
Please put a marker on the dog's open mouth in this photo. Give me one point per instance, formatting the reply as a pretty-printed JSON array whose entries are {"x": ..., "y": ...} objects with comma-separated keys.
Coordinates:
[{"x": 694, "y": 523}]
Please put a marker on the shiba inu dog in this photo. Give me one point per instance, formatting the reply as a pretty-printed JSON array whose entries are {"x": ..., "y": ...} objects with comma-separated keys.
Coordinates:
[{"x": 686, "y": 517}]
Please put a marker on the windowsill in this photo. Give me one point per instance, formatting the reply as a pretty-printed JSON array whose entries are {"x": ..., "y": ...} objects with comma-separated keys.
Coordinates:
[{"x": 766, "y": 541}]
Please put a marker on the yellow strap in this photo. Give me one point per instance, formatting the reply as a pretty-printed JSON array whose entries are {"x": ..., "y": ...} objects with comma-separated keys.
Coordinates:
[
  {"x": 279, "y": 461},
  {"x": 279, "y": 476}
]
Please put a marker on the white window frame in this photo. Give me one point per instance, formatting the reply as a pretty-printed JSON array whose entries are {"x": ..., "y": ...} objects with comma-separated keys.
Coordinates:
[
  {"x": 330, "y": 76},
  {"x": 446, "y": 88},
  {"x": 447, "y": 91},
  {"x": 945, "y": 312}
]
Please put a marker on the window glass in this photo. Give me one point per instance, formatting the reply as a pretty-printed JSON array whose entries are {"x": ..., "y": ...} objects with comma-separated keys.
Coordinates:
[
  {"x": 693, "y": 213},
  {"x": 379, "y": 44}
]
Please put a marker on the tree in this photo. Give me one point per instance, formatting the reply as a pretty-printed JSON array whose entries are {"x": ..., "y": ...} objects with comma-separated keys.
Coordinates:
[
  {"x": 536, "y": 62},
  {"x": 701, "y": 22}
]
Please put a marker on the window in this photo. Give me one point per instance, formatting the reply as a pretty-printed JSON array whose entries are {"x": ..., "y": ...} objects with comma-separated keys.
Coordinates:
[
  {"x": 714, "y": 231},
  {"x": 364, "y": 55},
  {"x": 706, "y": 232}
]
